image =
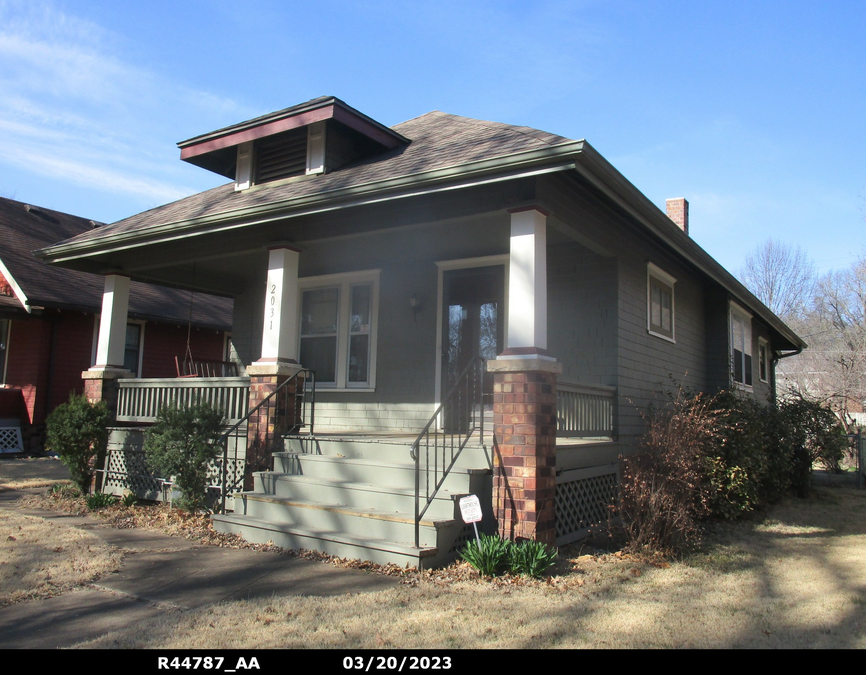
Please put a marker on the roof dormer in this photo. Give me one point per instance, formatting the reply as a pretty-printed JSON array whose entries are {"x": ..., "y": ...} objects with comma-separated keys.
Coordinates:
[{"x": 307, "y": 139}]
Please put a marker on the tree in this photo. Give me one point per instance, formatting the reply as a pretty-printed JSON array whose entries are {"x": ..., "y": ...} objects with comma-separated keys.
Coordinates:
[
  {"x": 833, "y": 368},
  {"x": 781, "y": 276}
]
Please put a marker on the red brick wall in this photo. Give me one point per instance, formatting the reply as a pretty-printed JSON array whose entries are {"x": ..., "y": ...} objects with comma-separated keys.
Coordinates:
[
  {"x": 30, "y": 353},
  {"x": 27, "y": 365},
  {"x": 162, "y": 342}
]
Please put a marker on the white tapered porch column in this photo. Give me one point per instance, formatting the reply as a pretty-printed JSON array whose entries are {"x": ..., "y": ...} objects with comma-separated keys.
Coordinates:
[
  {"x": 99, "y": 380},
  {"x": 111, "y": 344},
  {"x": 527, "y": 285},
  {"x": 280, "y": 328}
]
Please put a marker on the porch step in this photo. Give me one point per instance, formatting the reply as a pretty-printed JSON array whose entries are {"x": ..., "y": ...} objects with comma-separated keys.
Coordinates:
[
  {"x": 356, "y": 498},
  {"x": 474, "y": 455},
  {"x": 396, "y": 474},
  {"x": 372, "y": 523},
  {"x": 353, "y": 494},
  {"x": 344, "y": 545}
]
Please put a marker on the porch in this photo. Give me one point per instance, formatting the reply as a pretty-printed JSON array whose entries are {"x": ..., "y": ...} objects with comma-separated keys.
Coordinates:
[{"x": 356, "y": 493}]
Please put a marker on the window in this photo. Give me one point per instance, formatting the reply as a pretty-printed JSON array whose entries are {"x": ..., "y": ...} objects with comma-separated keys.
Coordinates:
[
  {"x": 741, "y": 346},
  {"x": 660, "y": 303},
  {"x": 763, "y": 363},
  {"x": 132, "y": 348},
  {"x": 338, "y": 329}
]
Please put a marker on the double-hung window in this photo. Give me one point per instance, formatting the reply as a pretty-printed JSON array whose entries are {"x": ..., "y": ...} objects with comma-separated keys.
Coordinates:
[
  {"x": 763, "y": 360},
  {"x": 741, "y": 346},
  {"x": 338, "y": 328},
  {"x": 660, "y": 303}
]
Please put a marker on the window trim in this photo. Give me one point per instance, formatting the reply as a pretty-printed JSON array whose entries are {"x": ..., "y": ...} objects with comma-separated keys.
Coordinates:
[
  {"x": 654, "y": 272},
  {"x": 141, "y": 325},
  {"x": 746, "y": 317},
  {"x": 344, "y": 282},
  {"x": 764, "y": 357}
]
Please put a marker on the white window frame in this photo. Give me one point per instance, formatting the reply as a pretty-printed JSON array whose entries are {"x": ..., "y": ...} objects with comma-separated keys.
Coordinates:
[
  {"x": 140, "y": 323},
  {"x": 654, "y": 272},
  {"x": 97, "y": 319},
  {"x": 764, "y": 357},
  {"x": 746, "y": 318},
  {"x": 344, "y": 282}
]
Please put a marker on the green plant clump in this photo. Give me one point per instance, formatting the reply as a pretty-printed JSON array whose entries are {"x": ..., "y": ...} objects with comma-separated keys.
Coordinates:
[
  {"x": 129, "y": 499},
  {"x": 181, "y": 444},
  {"x": 77, "y": 431},
  {"x": 493, "y": 555},
  {"x": 100, "y": 500},
  {"x": 530, "y": 558},
  {"x": 488, "y": 555}
]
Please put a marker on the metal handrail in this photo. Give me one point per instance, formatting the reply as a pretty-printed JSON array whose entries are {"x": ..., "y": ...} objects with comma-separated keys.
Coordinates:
[
  {"x": 466, "y": 391},
  {"x": 306, "y": 380}
]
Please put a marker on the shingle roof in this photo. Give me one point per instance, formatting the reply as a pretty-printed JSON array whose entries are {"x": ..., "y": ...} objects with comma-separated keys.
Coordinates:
[
  {"x": 438, "y": 141},
  {"x": 24, "y": 228}
]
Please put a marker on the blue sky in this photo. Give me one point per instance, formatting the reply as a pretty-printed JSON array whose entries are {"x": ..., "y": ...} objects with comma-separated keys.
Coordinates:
[{"x": 753, "y": 111}]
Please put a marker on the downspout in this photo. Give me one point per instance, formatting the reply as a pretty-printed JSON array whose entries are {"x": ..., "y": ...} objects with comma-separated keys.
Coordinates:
[
  {"x": 52, "y": 358},
  {"x": 776, "y": 358}
]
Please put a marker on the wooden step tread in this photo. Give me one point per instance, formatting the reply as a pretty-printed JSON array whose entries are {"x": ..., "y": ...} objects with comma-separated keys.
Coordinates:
[
  {"x": 327, "y": 535},
  {"x": 395, "y": 516}
]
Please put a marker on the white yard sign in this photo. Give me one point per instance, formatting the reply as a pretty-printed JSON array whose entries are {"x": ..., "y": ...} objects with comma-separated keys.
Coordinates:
[{"x": 470, "y": 509}]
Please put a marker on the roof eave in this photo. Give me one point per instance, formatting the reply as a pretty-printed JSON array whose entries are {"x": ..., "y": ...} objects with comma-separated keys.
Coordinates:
[
  {"x": 556, "y": 158},
  {"x": 602, "y": 174}
]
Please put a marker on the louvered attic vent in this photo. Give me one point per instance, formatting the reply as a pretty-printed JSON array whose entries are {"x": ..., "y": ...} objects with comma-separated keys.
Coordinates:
[{"x": 281, "y": 155}]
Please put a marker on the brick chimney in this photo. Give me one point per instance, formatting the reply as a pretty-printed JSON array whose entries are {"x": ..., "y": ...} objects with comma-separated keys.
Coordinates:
[{"x": 678, "y": 211}]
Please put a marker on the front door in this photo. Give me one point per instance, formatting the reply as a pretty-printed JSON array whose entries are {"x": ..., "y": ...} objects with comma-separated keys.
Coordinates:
[{"x": 473, "y": 325}]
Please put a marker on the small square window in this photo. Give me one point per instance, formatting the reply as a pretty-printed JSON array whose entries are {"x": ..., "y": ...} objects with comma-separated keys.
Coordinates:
[{"x": 660, "y": 303}]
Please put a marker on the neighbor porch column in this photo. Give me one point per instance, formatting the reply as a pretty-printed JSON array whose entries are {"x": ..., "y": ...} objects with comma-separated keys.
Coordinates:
[
  {"x": 100, "y": 379},
  {"x": 277, "y": 364},
  {"x": 524, "y": 392}
]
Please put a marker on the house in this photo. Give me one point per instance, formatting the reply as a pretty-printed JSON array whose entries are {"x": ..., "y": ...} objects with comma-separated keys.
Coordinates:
[
  {"x": 509, "y": 275},
  {"x": 49, "y": 318}
]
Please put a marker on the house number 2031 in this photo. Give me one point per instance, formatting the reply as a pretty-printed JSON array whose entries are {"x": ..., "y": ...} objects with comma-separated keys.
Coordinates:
[{"x": 273, "y": 296}]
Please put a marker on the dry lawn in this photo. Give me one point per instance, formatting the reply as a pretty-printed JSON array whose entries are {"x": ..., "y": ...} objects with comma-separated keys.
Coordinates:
[
  {"x": 794, "y": 579},
  {"x": 39, "y": 559},
  {"x": 25, "y": 473}
]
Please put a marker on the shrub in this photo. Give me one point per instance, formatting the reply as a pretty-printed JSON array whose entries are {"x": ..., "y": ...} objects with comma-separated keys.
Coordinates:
[
  {"x": 129, "y": 499},
  {"x": 77, "y": 432},
  {"x": 720, "y": 457},
  {"x": 100, "y": 500},
  {"x": 663, "y": 494},
  {"x": 182, "y": 443},
  {"x": 488, "y": 555},
  {"x": 530, "y": 558}
]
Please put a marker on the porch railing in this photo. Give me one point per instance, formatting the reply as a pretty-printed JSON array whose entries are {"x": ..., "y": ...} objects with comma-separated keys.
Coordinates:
[
  {"x": 139, "y": 400},
  {"x": 438, "y": 446},
  {"x": 585, "y": 411},
  {"x": 288, "y": 409}
]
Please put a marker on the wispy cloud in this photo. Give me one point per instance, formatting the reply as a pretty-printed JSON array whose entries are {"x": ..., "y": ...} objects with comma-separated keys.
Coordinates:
[{"x": 72, "y": 109}]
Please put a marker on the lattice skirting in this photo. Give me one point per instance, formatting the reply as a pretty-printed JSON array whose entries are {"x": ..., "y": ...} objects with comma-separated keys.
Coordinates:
[
  {"x": 126, "y": 469},
  {"x": 583, "y": 500},
  {"x": 10, "y": 439}
]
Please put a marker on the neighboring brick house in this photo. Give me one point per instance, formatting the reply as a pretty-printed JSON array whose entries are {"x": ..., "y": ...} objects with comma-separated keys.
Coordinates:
[{"x": 49, "y": 320}]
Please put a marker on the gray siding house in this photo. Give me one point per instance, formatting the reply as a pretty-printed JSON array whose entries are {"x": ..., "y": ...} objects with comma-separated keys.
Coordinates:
[{"x": 388, "y": 261}]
